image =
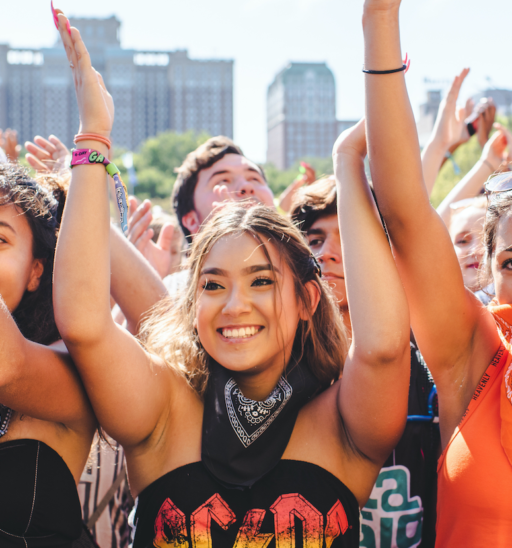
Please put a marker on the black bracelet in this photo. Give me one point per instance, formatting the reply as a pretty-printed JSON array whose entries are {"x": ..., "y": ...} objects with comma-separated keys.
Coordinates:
[{"x": 404, "y": 67}]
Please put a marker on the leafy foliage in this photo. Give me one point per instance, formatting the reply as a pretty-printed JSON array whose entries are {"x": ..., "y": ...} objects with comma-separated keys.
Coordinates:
[{"x": 278, "y": 180}]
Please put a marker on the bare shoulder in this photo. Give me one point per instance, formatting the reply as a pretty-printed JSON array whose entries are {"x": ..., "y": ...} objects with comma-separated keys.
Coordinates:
[{"x": 319, "y": 437}]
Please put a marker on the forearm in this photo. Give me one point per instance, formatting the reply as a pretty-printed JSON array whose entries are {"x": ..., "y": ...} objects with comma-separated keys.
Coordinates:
[
  {"x": 12, "y": 346},
  {"x": 393, "y": 141},
  {"x": 432, "y": 158},
  {"x": 377, "y": 304},
  {"x": 82, "y": 262},
  {"x": 135, "y": 284},
  {"x": 468, "y": 187}
]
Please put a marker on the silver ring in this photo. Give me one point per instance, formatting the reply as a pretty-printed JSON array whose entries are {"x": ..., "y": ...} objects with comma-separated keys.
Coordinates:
[{"x": 71, "y": 65}]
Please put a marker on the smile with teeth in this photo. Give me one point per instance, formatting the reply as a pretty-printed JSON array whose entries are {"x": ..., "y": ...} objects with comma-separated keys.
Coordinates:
[{"x": 241, "y": 332}]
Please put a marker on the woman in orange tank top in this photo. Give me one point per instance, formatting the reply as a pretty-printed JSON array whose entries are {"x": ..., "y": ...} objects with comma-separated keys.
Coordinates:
[{"x": 468, "y": 356}]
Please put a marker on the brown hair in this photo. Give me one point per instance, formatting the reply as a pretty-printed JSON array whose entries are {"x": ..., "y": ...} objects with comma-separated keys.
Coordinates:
[
  {"x": 202, "y": 158},
  {"x": 313, "y": 202},
  {"x": 41, "y": 200},
  {"x": 500, "y": 205},
  {"x": 169, "y": 332}
]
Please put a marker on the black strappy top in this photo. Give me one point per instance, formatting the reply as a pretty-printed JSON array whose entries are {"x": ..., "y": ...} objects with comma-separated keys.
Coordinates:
[
  {"x": 39, "y": 506},
  {"x": 295, "y": 504}
]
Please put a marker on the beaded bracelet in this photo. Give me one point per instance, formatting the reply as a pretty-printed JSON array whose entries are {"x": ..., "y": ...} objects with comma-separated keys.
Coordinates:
[{"x": 87, "y": 156}]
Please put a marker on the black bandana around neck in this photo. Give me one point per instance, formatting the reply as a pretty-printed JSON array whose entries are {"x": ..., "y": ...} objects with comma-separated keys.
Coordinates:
[{"x": 244, "y": 439}]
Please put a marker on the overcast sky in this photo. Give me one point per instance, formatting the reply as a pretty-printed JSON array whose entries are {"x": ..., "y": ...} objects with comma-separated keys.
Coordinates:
[{"x": 262, "y": 36}]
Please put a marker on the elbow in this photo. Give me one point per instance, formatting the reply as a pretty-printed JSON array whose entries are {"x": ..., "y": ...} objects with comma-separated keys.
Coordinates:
[
  {"x": 387, "y": 350},
  {"x": 79, "y": 329}
]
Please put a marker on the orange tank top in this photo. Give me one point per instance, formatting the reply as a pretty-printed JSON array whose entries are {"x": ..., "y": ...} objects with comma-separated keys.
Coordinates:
[{"x": 474, "y": 502}]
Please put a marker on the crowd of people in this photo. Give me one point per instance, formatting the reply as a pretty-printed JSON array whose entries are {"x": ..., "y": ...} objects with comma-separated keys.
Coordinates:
[{"x": 328, "y": 369}]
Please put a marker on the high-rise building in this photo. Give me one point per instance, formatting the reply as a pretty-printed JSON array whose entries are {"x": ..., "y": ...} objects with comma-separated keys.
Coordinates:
[
  {"x": 153, "y": 91},
  {"x": 301, "y": 114}
]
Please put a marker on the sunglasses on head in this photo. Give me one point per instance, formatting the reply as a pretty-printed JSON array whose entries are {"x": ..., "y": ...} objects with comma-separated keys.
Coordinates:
[{"x": 499, "y": 182}]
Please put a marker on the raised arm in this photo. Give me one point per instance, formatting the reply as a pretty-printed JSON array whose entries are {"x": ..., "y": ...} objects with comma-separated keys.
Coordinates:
[
  {"x": 135, "y": 285},
  {"x": 470, "y": 185},
  {"x": 38, "y": 381},
  {"x": 127, "y": 388},
  {"x": 379, "y": 355},
  {"x": 449, "y": 131},
  {"x": 446, "y": 318}
]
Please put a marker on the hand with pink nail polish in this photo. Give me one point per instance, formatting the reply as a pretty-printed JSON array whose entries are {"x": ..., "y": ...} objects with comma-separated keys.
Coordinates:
[{"x": 95, "y": 103}]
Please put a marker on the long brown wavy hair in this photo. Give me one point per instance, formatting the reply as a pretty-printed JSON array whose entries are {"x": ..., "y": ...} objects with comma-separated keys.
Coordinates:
[{"x": 321, "y": 339}]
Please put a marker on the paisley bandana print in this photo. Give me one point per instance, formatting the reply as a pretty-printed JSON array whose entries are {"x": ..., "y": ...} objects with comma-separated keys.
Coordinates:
[
  {"x": 250, "y": 418},
  {"x": 244, "y": 439}
]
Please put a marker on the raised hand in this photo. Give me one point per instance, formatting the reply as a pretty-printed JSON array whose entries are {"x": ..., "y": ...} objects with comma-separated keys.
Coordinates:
[
  {"x": 352, "y": 142},
  {"x": 47, "y": 154},
  {"x": 139, "y": 234},
  {"x": 9, "y": 142},
  {"x": 381, "y": 5},
  {"x": 487, "y": 110},
  {"x": 95, "y": 103},
  {"x": 450, "y": 128}
]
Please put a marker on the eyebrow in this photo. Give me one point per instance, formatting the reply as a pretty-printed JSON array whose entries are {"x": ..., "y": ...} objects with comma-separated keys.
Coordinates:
[
  {"x": 226, "y": 171},
  {"x": 246, "y": 271},
  {"x": 315, "y": 232},
  {"x": 7, "y": 225}
]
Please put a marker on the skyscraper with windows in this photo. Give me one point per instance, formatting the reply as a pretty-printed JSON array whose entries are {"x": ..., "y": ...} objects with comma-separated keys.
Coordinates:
[
  {"x": 153, "y": 91},
  {"x": 301, "y": 114}
]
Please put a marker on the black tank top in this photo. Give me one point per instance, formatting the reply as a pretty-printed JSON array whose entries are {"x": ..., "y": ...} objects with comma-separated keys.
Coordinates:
[
  {"x": 39, "y": 506},
  {"x": 296, "y": 504}
]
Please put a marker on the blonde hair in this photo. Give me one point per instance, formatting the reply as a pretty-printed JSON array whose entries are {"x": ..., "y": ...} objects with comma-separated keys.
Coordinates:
[{"x": 321, "y": 339}]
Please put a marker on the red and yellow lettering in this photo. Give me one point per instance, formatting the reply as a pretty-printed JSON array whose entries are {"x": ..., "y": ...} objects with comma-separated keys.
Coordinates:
[
  {"x": 337, "y": 523},
  {"x": 201, "y": 520},
  {"x": 170, "y": 527},
  {"x": 285, "y": 509},
  {"x": 249, "y": 535}
]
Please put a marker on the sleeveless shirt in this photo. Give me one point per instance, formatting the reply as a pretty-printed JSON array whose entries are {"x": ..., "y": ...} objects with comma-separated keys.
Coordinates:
[
  {"x": 295, "y": 504},
  {"x": 39, "y": 506},
  {"x": 474, "y": 504}
]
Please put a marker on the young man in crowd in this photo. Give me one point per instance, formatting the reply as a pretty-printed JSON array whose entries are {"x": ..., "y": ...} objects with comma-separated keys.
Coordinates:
[
  {"x": 215, "y": 173},
  {"x": 401, "y": 508}
]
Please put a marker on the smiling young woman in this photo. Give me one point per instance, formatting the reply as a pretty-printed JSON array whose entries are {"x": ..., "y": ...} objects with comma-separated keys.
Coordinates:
[{"x": 233, "y": 416}]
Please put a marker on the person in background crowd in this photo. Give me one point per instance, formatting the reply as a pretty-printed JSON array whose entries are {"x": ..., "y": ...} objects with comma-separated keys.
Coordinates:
[
  {"x": 258, "y": 323},
  {"x": 466, "y": 346},
  {"x": 460, "y": 211},
  {"x": 215, "y": 173},
  {"x": 412, "y": 464}
]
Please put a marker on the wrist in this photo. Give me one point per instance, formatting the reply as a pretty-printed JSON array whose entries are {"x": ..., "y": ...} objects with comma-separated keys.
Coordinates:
[
  {"x": 488, "y": 164},
  {"x": 102, "y": 148}
]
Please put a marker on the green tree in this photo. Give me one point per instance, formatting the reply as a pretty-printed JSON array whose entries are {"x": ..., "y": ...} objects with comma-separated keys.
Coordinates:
[
  {"x": 278, "y": 179},
  {"x": 156, "y": 161}
]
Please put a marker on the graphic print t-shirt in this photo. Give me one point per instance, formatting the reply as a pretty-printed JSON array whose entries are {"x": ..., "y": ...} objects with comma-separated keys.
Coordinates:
[
  {"x": 297, "y": 504},
  {"x": 401, "y": 509}
]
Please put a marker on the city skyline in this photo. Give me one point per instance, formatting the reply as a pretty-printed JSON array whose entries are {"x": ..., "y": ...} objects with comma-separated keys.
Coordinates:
[
  {"x": 153, "y": 92},
  {"x": 263, "y": 37}
]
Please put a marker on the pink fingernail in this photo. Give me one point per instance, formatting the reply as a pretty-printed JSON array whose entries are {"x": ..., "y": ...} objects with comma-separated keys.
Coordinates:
[
  {"x": 68, "y": 26},
  {"x": 55, "y": 17}
]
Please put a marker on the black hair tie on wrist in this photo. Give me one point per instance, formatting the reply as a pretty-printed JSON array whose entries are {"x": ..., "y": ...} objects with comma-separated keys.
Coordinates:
[{"x": 403, "y": 67}]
